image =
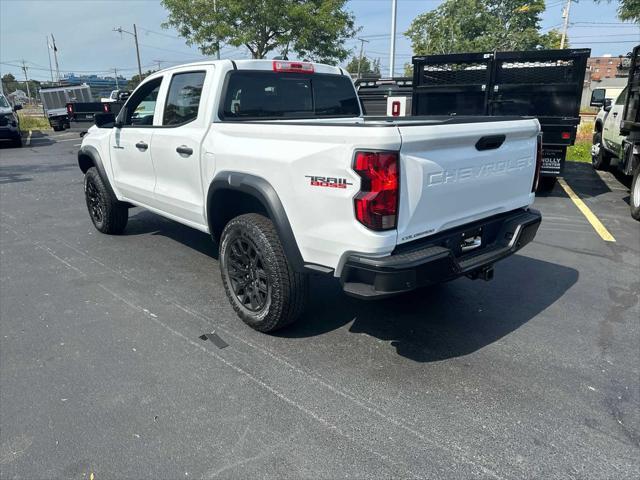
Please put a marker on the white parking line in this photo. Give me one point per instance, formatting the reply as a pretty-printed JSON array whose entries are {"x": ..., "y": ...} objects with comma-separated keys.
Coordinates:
[{"x": 28, "y": 142}]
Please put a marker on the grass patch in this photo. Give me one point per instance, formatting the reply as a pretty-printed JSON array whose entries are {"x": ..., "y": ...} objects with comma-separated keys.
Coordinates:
[
  {"x": 31, "y": 122},
  {"x": 580, "y": 152}
]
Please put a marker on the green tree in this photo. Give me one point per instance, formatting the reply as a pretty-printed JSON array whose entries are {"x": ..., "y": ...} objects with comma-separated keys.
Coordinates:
[
  {"x": 368, "y": 67},
  {"x": 135, "y": 80},
  {"x": 477, "y": 25},
  {"x": 627, "y": 10},
  {"x": 9, "y": 83},
  {"x": 313, "y": 29}
]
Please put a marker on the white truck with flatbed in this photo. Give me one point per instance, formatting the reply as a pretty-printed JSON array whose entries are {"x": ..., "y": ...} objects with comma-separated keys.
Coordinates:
[
  {"x": 275, "y": 160},
  {"x": 616, "y": 135}
]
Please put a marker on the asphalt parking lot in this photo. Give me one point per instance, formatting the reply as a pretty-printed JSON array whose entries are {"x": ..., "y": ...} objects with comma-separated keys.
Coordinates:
[{"x": 535, "y": 374}]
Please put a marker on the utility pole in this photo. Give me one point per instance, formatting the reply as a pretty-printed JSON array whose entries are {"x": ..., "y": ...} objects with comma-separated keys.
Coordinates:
[
  {"x": 135, "y": 37},
  {"x": 362, "y": 42},
  {"x": 565, "y": 14},
  {"x": 26, "y": 80},
  {"x": 392, "y": 50},
  {"x": 49, "y": 55},
  {"x": 115, "y": 72},
  {"x": 55, "y": 57},
  {"x": 120, "y": 30},
  {"x": 215, "y": 10},
  {"x": 159, "y": 62}
]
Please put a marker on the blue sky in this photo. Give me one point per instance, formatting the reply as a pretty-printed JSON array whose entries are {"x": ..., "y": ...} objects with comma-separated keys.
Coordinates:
[{"x": 86, "y": 42}]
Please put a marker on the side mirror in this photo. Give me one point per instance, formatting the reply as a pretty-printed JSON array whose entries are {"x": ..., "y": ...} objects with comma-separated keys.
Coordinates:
[
  {"x": 607, "y": 104},
  {"x": 17, "y": 107},
  {"x": 597, "y": 97},
  {"x": 121, "y": 117},
  {"x": 104, "y": 120}
]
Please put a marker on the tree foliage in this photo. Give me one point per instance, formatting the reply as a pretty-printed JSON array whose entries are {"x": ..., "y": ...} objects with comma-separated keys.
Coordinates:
[
  {"x": 368, "y": 66},
  {"x": 313, "y": 29},
  {"x": 135, "y": 80},
  {"x": 480, "y": 25}
]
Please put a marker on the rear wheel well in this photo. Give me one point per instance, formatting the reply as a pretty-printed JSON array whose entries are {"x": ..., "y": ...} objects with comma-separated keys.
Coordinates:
[
  {"x": 598, "y": 127},
  {"x": 226, "y": 204},
  {"x": 85, "y": 162}
]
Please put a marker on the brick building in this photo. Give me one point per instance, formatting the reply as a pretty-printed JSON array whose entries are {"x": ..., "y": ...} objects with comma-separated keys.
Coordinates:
[{"x": 607, "y": 67}]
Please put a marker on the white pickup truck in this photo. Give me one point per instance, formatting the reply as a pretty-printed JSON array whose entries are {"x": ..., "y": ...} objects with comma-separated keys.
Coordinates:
[{"x": 276, "y": 162}]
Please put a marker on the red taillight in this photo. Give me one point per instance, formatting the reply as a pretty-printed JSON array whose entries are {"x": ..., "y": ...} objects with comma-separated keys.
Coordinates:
[
  {"x": 285, "y": 66},
  {"x": 70, "y": 108},
  {"x": 395, "y": 108},
  {"x": 536, "y": 176},
  {"x": 565, "y": 135},
  {"x": 106, "y": 108},
  {"x": 376, "y": 204}
]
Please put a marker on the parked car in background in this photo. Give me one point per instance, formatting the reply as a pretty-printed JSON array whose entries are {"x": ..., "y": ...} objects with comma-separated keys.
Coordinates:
[
  {"x": 276, "y": 162},
  {"x": 116, "y": 96},
  {"x": 10, "y": 122},
  {"x": 616, "y": 136}
]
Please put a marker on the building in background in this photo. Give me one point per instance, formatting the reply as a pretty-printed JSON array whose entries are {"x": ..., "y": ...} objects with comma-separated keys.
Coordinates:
[
  {"x": 100, "y": 86},
  {"x": 608, "y": 66}
]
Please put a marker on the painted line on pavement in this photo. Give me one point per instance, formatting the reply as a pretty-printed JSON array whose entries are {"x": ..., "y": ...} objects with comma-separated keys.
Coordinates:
[
  {"x": 28, "y": 141},
  {"x": 589, "y": 215}
]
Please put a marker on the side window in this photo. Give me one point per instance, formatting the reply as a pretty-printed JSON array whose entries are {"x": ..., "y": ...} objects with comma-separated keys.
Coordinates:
[
  {"x": 622, "y": 97},
  {"x": 183, "y": 99},
  {"x": 142, "y": 104}
]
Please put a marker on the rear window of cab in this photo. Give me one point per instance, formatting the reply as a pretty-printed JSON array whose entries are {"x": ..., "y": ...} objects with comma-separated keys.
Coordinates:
[{"x": 262, "y": 95}]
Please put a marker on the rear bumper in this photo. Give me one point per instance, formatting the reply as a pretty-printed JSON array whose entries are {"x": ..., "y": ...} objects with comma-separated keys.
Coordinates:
[{"x": 439, "y": 258}]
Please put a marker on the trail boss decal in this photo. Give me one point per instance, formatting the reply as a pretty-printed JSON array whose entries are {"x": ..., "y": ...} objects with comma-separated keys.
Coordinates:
[{"x": 331, "y": 182}]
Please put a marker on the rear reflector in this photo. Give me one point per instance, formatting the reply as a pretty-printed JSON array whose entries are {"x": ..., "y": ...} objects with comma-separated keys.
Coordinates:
[
  {"x": 536, "y": 175},
  {"x": 395, "y": 109},
  {"x": 566, "y": 135},
  {"x": 70, "y": 108},
  {"x": 376, "y": 204},
  {"x": 106, "y": 107},
  {"x": 285, "y": 66}
]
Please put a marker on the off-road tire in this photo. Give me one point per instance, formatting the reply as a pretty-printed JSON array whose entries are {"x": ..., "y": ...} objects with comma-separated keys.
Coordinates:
[
  {"x": 603, "y": 159},
  {"x": 253, "y": 265},
  {"x": 546, "y": 184},
  {"x": 108, "y": 215},
  {"x": 634, "y": 199}
]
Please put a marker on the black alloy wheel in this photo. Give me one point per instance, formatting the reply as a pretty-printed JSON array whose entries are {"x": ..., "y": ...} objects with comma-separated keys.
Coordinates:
[{"x": 247, "y": 274}]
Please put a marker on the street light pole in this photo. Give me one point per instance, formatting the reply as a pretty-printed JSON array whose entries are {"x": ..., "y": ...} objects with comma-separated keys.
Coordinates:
[{"x": 392, "y": 50}]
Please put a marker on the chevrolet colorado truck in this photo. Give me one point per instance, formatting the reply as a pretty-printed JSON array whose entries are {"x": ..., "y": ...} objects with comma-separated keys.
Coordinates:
[{"x": 275, "y": 161}]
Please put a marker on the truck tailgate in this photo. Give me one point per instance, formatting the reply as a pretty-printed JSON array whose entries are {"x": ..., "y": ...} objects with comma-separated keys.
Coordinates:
[{"x": 458, "y": 173}]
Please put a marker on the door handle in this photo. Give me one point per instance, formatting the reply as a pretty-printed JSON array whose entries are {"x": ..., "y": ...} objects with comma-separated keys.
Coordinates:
[
  {"x": 142, "y": 146},
  {"x": 184, "y": 150}
]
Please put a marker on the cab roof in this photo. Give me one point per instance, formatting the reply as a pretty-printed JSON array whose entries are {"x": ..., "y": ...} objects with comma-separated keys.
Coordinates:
[{"x": 263, "y": 64}]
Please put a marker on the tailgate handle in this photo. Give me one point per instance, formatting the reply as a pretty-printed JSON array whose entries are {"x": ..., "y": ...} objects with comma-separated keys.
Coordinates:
[{"x": 490, "y": 142}]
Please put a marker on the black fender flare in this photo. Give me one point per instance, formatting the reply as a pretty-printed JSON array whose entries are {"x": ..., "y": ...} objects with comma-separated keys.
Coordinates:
[
  {"x": 92, "y": 153},
  {"x": 264, "y": 192}
]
